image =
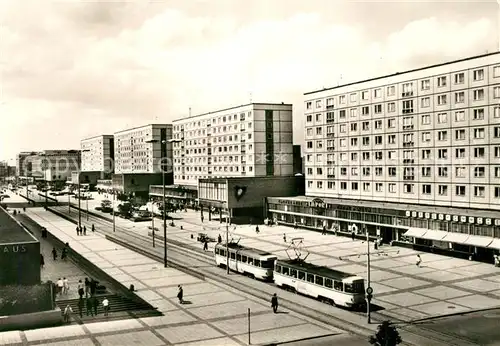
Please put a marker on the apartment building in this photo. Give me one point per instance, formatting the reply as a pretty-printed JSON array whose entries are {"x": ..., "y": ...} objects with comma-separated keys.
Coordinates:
[
  {"x": 140, "y": 156},
  {"x": 23, "y": 168},
  {"x": 415, "y": 149},
  {"x": 246, "y": 151},
  {"x": 55, "y": 165},
  {"x": 253, "y": 140},
  {"x": 97, "y": 159}
]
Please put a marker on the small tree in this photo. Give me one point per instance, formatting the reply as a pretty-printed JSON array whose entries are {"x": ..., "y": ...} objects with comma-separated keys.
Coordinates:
[
  {"x": 125, "y": 209},
  {"x": 105, "y": 204},
  {"x": 387, "y": 335}
]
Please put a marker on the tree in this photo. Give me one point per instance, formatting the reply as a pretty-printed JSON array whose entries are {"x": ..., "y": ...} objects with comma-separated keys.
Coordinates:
[
  {"x": 125, "y": 209},
  {"x": 105, "y": 204},
  {"x": 387, "y": 335}
]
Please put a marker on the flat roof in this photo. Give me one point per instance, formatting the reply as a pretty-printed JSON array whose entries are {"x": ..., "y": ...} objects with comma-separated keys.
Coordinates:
[
  {"x": 224, "y": 179},
  {"x": 428, "y": 208},
  {"x": 315, "y": 269},
  {"x": 11, "y": 232},
  {"x": 400, "y": 73},
  {"x": 140, "y": 127},
  {"x": 94, "y": 137},
  {"x": 186, "y": 187},
  {"x": 234, "y": 107}
]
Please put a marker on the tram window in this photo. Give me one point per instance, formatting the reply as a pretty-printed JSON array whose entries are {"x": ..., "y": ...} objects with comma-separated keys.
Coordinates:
[
  {"x": 256, "y": 263},
  {"x": 267, "y": 264},
  {"x": 319, "y": 280},
  {"x": 356, "y": 287},
  {"x": 250, "y": 260},
  {"x": 337, "y": 285},
  {"x": 238, "y": 257},
  {"x": 328, "y": 283},
  {"x": 233, "y": 255},
  {"x": 244, "y": 259},
  {"x": 216, "y": 251},
  {"x": 222, "y": 252},
  {"x": 286, "y": 271},
  {"x": 310, "y": 278},
  {"x": 293, "y": 273},
  {"x": 277, "y": 269},
  {"x": 302, "y": 275}
]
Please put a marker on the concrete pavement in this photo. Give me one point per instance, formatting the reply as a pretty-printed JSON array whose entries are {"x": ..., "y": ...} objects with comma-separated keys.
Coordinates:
[{"x": 215, "y": 315}]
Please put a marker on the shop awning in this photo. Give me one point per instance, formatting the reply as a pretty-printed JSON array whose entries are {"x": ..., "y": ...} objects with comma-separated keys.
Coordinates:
[
  {"x": 457, "y": 238},
  {"x": 415, "y": 232},
  {"x": 434, "y": 235},
  {"x": 479, "y": 241},
  {"x": 495, "y": 244}
]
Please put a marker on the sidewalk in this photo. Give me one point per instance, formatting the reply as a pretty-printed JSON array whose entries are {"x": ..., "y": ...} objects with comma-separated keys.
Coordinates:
[{"x": 214, "y": 316}]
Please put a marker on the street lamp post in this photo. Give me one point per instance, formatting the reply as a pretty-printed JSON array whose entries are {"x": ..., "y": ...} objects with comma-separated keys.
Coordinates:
[
  {"x": 369, "y": 290},
  {"x": 114, "y": 224},
  {"x": 153, "y": 221},
  {"x": 78, "y": 170},
  {"x": 227, "y": 241},
  {"x": 87, "y": 202}
]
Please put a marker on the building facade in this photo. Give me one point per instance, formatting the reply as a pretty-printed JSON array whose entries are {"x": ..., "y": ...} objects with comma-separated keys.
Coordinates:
[
  {"x": 412, "y": 157},
  {"x": 23, "y": 166},
  {"x": 141, "y": 155},
  {"x": 98, "y": 154},
  {"x": 253, "y": 140}
]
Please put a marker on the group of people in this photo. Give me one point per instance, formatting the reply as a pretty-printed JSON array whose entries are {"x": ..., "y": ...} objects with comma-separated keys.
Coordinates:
[
  {"x": 83, "y": 230},
  {"x": 64, "y": 254},
  {"x": 87, "y": 300}
]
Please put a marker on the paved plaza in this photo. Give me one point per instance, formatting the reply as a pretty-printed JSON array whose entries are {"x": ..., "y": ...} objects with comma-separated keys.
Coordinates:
[
  {"x": 440, "y": 286},
  {"x": 212, "y": 314}
]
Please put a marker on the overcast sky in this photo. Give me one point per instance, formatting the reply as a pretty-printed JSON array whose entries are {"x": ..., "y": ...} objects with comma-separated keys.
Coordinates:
[{"x": 75, "y": 69}]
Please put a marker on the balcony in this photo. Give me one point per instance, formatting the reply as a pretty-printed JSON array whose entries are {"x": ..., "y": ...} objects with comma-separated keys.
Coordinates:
[
  {"x": 330, "y": 106},
  {"x": 408, "y": 127},
  {"x": 330, "y": 162},
  {"x": 408, "y": 177},
  {"x": 407, "y": 94},
  {"x": 408, "y": 144},
  {"x": 408, "y": 161},
  {"x": 407, "y": 110},
  {"x": 331, "y": 176},
  {"x": 330, "y": 148},
  {"x": 330, "y": 135},
  {"x": 330, "y": 120}
]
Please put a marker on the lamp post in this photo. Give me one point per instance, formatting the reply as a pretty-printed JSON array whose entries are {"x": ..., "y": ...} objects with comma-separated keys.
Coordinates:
[
  {"x": 79, "y": 158},
  {"x": 114, "y": 224},
  {"x": 369, "y": 290},
  {"x": 87, "y": 202},
  {"x": 227, "y": 241},
  {"x": 163, "y": 168},
  {"x": 153, "y": 221}
]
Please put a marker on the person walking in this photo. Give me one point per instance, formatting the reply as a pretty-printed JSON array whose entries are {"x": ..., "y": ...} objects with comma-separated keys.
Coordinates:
[
  {"x": 77, "y": 230},
  {"x": 60, "y": 286},
  {"x": 80, "y": 306},
  {"x": 180, "y": 294},
  {"x": 205, "y": 245},
  {"x": 80, "y": 289},
  {"x": 67, "y": 313},
  {"x": 419, "y": 261},
  {"x": 105, "y": 304},
  {"x": 54, "y": 253},
  {"x": 95, "y": 304},
  {"x": 42, "y": 261},
  {"x": 84, "y": 230},
  {"x": 352, "y": 235},
  {"x": 284, "y": 237},
  {"x": 93, "y": 228},
  {"x": 274, "y": 303},
  {"x": 219, "y": 239},
  {"x": 65, "y": 286},
  {"x": 257, "y": 229},
  {"x": 87, "y": 287},
  {"x": 64, "y": 254},
  {"x": 89, "y": 307}
]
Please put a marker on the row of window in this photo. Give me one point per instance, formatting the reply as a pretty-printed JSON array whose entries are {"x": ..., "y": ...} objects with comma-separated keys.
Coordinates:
[
  {"x": 408, "y": 188},
  {"x": 269, "y": 264},
  {"x": 213, "y": 130},
  {"x": 218, "y": 120},
  {"x": 408, "y": 172},
  {"x": 215, "y": 168},
  {"x": 407, "y": 88},
  {"x": 408, "y": 156}
]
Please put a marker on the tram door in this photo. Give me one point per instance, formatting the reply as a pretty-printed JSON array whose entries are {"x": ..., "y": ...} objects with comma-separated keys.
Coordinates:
[{"x": 301, "y": 282}]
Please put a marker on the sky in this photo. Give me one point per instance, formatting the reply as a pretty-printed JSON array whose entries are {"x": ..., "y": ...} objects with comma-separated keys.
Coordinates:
[{"x": 76, "y": 69}]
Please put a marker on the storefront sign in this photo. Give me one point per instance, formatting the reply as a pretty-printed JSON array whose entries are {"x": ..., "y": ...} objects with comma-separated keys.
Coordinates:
[
  {"x": 441, "y": 217},
  {"x": 420, "y": 214},
  {"x": 13, "y": 249},
  {"x": 448, "y": 217},
  {"x": 455, "y": 218},
  {"x": 471, "y": 219},
  {"x": 427, "y": 215},
  {"x": 463, "y": 218},
  {"x": 414, "y": 214},
  {"x": 408, "y": 213},
  {"x": 479, "y": 220},
  {"x": 497, "y": 222},
  {"x": 434, "y": 216},
  {"x": 488, "y": 221}
]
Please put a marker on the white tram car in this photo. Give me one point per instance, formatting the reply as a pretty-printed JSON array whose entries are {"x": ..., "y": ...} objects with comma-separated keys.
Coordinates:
[
  {"x": 252, "y": 262},
  {"x": 332, "y": 286}
]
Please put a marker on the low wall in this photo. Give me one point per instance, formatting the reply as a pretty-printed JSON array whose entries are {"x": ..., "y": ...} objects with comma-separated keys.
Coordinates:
[{"x": 32, "y": 320}]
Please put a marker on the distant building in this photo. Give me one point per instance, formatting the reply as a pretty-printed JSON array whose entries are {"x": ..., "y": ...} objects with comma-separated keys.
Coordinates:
[
  {"x": 297, "y": 160},
  {"x": 23, "y": 166},
  {"x": 141, "y": 154},
  {"x": 97, "y": 158}
]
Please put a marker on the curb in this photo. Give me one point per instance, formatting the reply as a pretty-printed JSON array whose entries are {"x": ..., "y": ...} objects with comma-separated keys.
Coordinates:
[{"x": 450, "y": 315}]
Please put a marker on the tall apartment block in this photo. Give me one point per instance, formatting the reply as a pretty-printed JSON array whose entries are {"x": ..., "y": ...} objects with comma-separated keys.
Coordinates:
[
  {"x": 97, "y": 158},
  {"x": 141, "y": 154},
  {"x": 234, "y": 156},
  {"x": 55, "y": 165},
  {"x": 419, "y": 148}
]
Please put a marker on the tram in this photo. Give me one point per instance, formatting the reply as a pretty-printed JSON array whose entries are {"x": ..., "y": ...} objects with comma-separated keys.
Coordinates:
[
  {"x": 248, "y": 261},
  {"x": 326, "y": 284}
]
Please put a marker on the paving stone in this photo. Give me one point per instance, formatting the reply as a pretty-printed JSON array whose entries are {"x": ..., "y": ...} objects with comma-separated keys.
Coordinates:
[
  {"x": 193, "y": 332},
  {"x": 103, "y": 327},
  {"x": 145, "y": 338},
  {"x": 9, "y": 338},
  {"x": 442, "y": 292},
  {"x": 406, "y": 299},
  {"x": 45, "y": 334},
  {"x": 283, "y": 335},
  {"x": 170, "y": 317}
]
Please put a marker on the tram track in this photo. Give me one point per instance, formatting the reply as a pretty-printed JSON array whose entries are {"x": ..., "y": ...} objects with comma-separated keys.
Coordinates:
[{"x": 202, "y": 264}]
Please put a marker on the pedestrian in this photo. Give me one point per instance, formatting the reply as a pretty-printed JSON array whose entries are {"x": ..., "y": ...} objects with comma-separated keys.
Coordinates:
[
  {"x": 205, "y": 246},
  {"x": 60, "y": 286},
  {"x": 95, "y": 304},
  {"x": 87, "y": 287},
  {"x": 65, "y": 286},
  {"x": 105, "y": 304},
  {"x": 93, "y": 228},
  {"x": 419, "y": 260},
  {"x": 274, "y": 303},
  {"x": 352, "y": 235},
  {"x": 80, "y": 306},
  {"x": 67, "y": 313},
  {"x": 84, "y": 230},
  {"x": 219, "y": 239},
  {"x": 284, "y": 237},
  {"x": 295, "y": 226},
  {"x": 42, "y": 261},
  {"x": 77, "y": 230},
  {"x": 257, "y": 229},
  {"x": 180, "y": 294},
  {"x": 93, "y": 287},
  {"x": 324, "y": 230},
  {"x": 89, "y": 307},
  {"x": 80, "y": 289},
  {"x": 202, "y": 218},
  {"x": 64, "y": 254},
  {"x": 54, "y": 253}
]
